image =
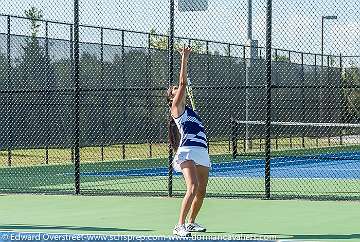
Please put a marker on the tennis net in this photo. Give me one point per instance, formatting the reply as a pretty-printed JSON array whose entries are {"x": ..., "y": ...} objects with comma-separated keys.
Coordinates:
[{"x": 317, "y": 140}]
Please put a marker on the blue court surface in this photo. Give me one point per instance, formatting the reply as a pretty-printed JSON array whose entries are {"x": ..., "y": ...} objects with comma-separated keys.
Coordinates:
[{"x": 344, "y": 165}]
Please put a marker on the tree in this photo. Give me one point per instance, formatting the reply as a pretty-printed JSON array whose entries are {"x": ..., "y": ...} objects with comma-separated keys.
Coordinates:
[
  {"x": 34, "y": 69},
  {"x": 63, "y": 73},
  {"x": 35, "y": 15},
  {"x": 3, "y": 69},
  {"x": 351, "y": 77},
  {"x": 157, "y": 41},
  {"x": 161, "y": 42},
  {"x": 33, "y": 72},
  {"x": 90, "y": 70},
  {"x": 282, "y": 58}
]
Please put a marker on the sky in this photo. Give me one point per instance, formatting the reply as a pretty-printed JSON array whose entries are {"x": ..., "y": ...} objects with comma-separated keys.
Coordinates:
[{"x": 296, "y": 23}]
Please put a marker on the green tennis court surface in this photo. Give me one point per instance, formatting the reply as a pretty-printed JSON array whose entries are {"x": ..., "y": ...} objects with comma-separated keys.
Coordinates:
[
  {"x": 326, "y": 172},
  {"x": 110, "y": 215}
]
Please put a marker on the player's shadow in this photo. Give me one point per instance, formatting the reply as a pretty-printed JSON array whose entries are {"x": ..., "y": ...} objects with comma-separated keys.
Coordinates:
[{"x": 29, "y": 227}]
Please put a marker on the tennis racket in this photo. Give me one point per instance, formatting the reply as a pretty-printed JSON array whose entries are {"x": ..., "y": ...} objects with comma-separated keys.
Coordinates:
[
  {"x": 189, "y": 89},
  {"x": 190, "y": 93}
]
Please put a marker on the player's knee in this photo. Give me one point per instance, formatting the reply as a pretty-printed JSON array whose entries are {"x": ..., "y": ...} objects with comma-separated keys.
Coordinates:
[
  {"x": 201, "y": 192},
  {"x": 193, "y": 188}
]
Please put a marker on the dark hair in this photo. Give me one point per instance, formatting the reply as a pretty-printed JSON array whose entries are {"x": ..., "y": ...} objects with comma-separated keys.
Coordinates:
[
  {"x": 174, "y": 135},
  {"x": 169, "y": 96}
]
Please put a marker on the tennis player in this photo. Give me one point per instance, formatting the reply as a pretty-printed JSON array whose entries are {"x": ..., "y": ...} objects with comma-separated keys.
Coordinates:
[{"x": 187, "y": 137}]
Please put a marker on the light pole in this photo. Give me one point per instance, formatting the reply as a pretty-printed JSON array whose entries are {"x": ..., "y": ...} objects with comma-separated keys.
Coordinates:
[
  {"x": 322, "y": 62},
  {"x": 253, "y": 55},
  {"x": 322, "y": 35},
  {"x": 249, "y": 27}
]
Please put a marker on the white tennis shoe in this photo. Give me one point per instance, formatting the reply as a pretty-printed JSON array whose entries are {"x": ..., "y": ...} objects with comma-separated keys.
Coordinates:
[
  {"x": 180, "y": 230},
  {"x": 194, "y": 227}
]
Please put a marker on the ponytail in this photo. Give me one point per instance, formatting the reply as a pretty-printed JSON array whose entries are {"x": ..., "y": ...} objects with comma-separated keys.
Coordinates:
[{"x": 174, "y": 135}]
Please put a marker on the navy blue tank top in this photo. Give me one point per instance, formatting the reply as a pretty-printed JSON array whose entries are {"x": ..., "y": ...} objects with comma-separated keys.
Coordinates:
[{"x": 191, "y": 129}]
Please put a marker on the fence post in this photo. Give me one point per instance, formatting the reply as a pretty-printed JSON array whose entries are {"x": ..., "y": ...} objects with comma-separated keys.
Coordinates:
[
  {"x": 247, "y": 130},
  {"x": 123, "y": 135},
  {"x": 248, "y": 67},
  {"x": 123, "y": 151},
  {"x": 149, "y": 101},
  {"x": 71, "y": 38},
  {"x": 170, "y": 83},
  {"x": 46, "y": 91},
  {"x": 302, "y": 98},
  {"x": 317, "y": 100},
  {"x": 268, "y": 98},
  {"x": 9, "y": 89},
  {"x": 102, "y": 92},
  {"x": 343, "y": 111},
  {"x": 77, "y": 97},
  {"x": 289, "y": 56},
  {"x": 328, "y": 69}
]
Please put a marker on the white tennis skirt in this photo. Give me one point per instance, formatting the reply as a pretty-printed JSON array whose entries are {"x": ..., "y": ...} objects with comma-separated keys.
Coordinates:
[{"x": 199, "y": 155}]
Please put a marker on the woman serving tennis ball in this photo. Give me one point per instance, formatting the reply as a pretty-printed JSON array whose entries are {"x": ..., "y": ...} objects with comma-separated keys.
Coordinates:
[{"x": 191, "y": 157}]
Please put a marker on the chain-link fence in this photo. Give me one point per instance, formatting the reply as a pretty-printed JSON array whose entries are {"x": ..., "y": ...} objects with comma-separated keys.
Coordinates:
[{"x": 83, "y": 96}]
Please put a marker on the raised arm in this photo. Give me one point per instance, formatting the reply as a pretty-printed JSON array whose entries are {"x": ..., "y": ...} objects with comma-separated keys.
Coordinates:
[{"x": 179, "y": 101}]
